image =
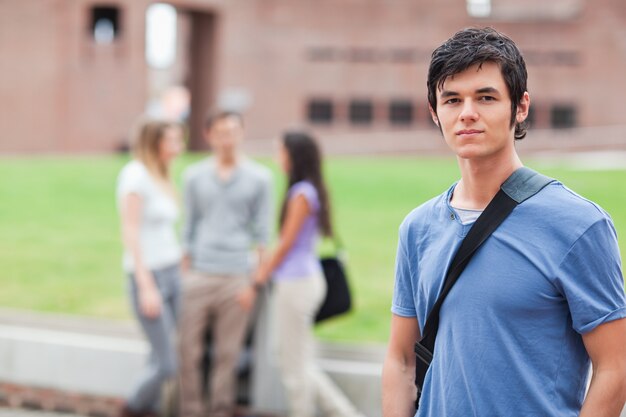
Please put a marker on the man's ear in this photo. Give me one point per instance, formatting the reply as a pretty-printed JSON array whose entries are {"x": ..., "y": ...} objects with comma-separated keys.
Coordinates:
[
  {"x": 433, "y": 114},
  {"x": 523, "y": 108}
]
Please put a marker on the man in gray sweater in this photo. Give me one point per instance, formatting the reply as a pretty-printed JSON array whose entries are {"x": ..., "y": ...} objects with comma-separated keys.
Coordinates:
[{"x": 228, "y": 201}]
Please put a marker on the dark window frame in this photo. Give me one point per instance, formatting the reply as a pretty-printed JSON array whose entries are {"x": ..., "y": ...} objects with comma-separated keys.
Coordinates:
[
  {"x": 401, "y": 112},
  {"x": 320, "y": 111},
  {"x": 361, "y": 112},
  {"x": 563, "y": 116}
]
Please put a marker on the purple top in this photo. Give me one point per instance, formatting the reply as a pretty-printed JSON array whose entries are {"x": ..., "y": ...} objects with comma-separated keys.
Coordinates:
[{"x": 301, "y": 261}]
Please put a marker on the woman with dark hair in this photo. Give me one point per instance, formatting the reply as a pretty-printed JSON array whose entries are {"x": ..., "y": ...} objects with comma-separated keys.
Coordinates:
[{"x": 300, "y": 287}]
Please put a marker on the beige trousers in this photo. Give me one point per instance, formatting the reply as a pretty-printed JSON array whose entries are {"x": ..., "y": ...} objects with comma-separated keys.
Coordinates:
[
  {"x": 210, "y": 302},
  {"x": 296, "y": 304}
]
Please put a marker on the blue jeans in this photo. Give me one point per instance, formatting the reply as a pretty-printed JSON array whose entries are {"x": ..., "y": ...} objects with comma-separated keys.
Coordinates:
[{"x": 161, "y": 333}]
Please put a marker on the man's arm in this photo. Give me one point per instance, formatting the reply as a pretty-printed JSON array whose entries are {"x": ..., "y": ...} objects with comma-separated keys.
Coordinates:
[
  {"x": 189, "y": 221},
  {"x": 263, "y": 212},
  {"x": 298, "y": 210},
  {"x": 606, "y": 345},
  {"x": 399, "y": 390}
]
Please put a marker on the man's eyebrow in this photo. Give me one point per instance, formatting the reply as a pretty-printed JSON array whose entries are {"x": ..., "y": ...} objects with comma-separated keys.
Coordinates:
[
  {"x": 447, "y": 93},
  {"x": 484, "y": 90}
]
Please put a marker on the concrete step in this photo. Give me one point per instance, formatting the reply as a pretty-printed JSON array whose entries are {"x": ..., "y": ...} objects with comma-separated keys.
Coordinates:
[{"x": 102, "y": 357}]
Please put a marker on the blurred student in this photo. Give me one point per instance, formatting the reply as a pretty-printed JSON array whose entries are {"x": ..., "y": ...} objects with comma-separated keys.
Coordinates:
[
  {"x": 149, "y": 209},
  {"x": 300, "y": 287},
  {"x": 228, "y": 201}
]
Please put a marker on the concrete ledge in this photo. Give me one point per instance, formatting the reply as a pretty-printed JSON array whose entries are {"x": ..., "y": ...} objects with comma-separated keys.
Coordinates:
[
  {"x": 72, "y": 361},
  {"x": 102, "y": 358}
]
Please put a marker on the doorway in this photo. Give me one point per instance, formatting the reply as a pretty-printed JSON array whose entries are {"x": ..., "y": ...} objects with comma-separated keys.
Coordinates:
[{"x": 180, "y": 53}]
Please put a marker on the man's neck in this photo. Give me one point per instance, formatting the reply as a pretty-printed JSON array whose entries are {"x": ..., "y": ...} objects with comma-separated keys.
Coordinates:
[
  {"x": 227, "y": 161},
  {"x": 481, "y": 179}
]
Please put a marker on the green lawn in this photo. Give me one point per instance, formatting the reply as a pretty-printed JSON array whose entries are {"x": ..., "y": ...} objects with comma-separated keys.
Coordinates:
[{"x": 60, "y": 248}]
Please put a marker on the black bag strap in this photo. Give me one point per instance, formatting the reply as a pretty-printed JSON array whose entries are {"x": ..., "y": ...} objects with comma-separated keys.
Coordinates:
[{"x": 520, "y": 186}]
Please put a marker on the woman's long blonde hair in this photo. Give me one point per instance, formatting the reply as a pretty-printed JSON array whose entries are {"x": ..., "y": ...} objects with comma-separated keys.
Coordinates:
[{"x": 147, "y": 141}]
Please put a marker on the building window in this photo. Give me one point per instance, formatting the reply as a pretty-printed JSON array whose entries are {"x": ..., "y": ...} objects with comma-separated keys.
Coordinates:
[
  {"x": 405, "y": 55},
  {"x": 401, "y": 112},
  {"x": 479, "y": 8},
  {"x": 361, "y": 111},
  {"x": 363, "y": 55},
  {"x": 322, "y": 54},
  {"x": 105, "y": 24},
  {"x": 563, "y": 116},
  {"x": 320, "y": 111}
]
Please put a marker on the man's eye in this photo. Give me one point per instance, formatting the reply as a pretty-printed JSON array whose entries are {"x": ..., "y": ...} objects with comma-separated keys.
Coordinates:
[
  {"x": 451, "y": 101},
  {"x": 487, "y": 98}
]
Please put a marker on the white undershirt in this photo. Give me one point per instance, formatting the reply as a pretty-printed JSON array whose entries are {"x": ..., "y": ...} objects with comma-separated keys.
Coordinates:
[{"x": 467, "y": 216}]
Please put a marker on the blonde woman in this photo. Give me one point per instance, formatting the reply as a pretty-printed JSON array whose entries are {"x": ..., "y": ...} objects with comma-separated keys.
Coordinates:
[{"x": 149, "y": 209}]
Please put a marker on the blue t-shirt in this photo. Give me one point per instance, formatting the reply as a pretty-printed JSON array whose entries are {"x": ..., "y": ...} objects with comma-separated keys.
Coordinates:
[{"x": 509, "y": 340}]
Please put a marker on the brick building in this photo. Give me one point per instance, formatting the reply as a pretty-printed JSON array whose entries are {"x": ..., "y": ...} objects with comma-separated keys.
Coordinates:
[{"x": 74, "y": 74}]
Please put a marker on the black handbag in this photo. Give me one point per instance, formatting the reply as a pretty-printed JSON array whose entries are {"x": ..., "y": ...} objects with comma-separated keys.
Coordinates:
[
  {"x": 338, "y": 298},
  {"x": 520, "y": 186}
]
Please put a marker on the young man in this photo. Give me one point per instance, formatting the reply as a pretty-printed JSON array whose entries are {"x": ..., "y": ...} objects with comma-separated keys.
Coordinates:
[
  {"x": 228, "y": 210},
  {"x": 542, "y": 295}
]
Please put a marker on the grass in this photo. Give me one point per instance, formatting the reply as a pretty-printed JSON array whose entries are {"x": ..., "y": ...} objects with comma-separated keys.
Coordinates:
[{"x": 60, "y": 249}]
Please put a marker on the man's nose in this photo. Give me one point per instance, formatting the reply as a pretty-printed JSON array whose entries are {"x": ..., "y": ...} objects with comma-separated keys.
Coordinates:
[{"x": 469, "y": 112}]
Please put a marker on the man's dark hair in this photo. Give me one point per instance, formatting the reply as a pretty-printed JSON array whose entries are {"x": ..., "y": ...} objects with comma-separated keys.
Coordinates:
[
  {"x": 477, "y": 46},
  {"x": 214, "y": 115}
]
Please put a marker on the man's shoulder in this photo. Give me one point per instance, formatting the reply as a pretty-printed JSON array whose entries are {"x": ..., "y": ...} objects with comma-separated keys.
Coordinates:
[
  {"x": 425, "y": 213},
  {"x": 196, "y": 169},
  {"x": 256, "y": 170},
  {"x": 559, "y": 214},
  {"x": 557, "y": 201}
]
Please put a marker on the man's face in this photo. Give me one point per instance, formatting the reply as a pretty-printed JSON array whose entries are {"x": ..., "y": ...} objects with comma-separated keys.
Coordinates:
[
  {"x": 474, "y": 112},
  {"x": 225, "y": 135}
]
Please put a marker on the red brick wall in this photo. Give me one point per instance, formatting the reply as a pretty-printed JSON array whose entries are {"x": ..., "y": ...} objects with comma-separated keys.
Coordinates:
[{"x": 60, "y": 92}]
